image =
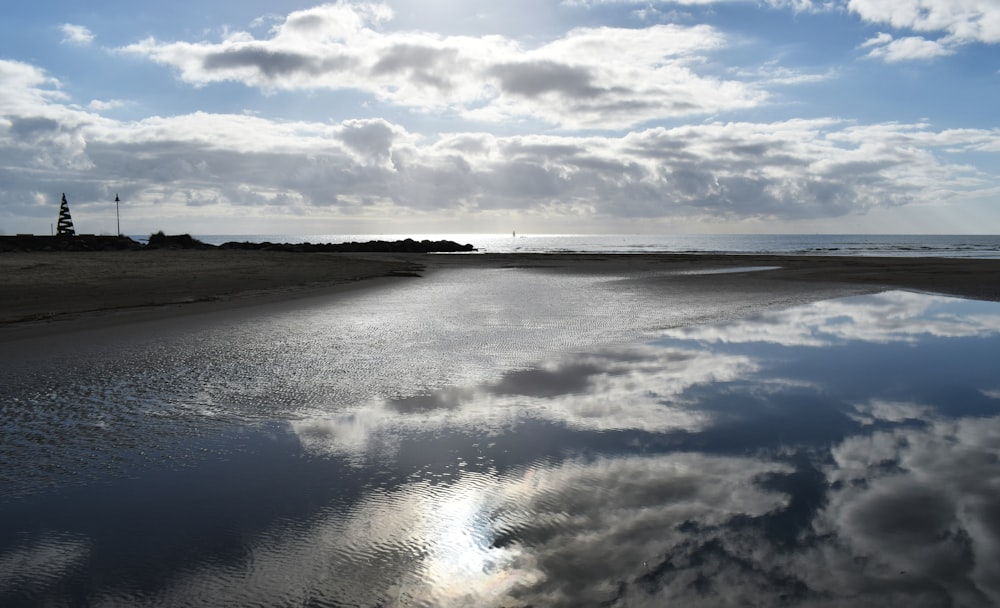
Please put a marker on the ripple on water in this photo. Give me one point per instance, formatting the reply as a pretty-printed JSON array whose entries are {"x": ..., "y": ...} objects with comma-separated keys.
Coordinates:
[
  {"x": 569, "y": 482},
  {"x": 123, "y": 398},
  {"x": 30, "y": 567}
]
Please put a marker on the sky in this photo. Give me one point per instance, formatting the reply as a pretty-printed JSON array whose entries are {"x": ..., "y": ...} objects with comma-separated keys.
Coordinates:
[{"x": 477, "y": 116}]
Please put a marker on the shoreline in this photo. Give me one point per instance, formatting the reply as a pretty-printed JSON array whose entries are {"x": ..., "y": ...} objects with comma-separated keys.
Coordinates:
[
  {"x": 970, "y": 278},
  {"x": 51, "y": 292}
]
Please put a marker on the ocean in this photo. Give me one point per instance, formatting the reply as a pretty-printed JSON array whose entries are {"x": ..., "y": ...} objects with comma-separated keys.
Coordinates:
[{"x": 896, "y": 245}]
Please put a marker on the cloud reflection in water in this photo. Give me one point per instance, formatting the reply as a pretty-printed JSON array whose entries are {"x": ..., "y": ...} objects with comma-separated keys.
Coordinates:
[
  {"x": 635, "y": 388},
  {"x": 875, "y": 484},
  {"x": 840, "y": 453}
]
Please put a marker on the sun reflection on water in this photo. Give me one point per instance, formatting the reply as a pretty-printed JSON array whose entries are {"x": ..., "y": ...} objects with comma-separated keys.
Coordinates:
[
  {"x": 462, "y": 566},
  {"x": 841, "y": 453}
]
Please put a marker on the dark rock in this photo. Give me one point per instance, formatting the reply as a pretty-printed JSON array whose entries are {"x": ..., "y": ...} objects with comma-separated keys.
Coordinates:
[
  {"x": 28, "y": 242},
  {"x": 404, "y": 246},
  {"x": 89, "y": 242},
  {"x": 175, "y": 241}
]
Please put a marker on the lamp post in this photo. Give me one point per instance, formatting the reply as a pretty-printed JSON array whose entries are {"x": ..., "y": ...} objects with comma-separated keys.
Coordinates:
[{"x": 118, "y": 217}]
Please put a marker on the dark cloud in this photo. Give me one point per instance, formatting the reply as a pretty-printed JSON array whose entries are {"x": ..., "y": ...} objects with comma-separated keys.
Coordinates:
[
  {"x": 423, "y": 64},
  {"x": 525, "y": 182},
  {"x": 536, "y": 78},
  {"x": 32, "y": 128},
  {"x": 306, "y": 22},
  {"x": 273, "y": 64},
  {"x": 371, "y": 138},
  {"x": 586, "y": 78},
  {"x": 717, "y": 171},
  {"x": 555, "y": 151},
  {"x": 860, "y": 169}
]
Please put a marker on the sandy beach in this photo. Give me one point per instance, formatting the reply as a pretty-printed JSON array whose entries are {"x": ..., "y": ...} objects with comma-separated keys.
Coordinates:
[
  {"x": 45, "y": 292},
  {"x": 46, "y": 286}
]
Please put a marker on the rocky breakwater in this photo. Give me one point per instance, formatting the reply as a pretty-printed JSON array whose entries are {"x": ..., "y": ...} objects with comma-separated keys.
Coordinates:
[
  {"x": 83, "y": 242},
  {"x": 403, "y": 246},
  {"x": 28, "y": 242}
]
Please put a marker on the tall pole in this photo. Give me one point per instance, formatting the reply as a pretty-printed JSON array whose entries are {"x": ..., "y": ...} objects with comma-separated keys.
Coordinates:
[{"x": 117, "y": 216}]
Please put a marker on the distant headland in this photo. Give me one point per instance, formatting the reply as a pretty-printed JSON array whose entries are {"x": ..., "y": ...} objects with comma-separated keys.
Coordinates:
[{"x": 89, "y": 242}]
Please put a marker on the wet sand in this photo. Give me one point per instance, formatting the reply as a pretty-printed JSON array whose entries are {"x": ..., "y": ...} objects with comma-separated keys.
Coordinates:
[
  {"x": 968, "y": 278},
  {"x": 46, "y": 292}
]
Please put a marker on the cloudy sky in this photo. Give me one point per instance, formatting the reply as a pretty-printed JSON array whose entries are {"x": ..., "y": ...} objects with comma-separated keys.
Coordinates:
[{"x": 435, "y": 116}]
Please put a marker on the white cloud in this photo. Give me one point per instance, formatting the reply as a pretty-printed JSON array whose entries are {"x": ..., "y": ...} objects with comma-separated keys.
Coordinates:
[
  {"x": 37, "y": 131},
  {"x": 76, "y": 34},
  {"x": 592, "y": 3},
  {"x": 373, "y": 168},
  {"x": 963, "y": 21},
  {"x": 891, "y": 50},
  {"x": 958, "y": 21},
  {"x": 99, "y": 105},
  {"x": 772, "y": 73},
  {"x": 26, "y": 88},
  {"x": 591, "y": 77}
]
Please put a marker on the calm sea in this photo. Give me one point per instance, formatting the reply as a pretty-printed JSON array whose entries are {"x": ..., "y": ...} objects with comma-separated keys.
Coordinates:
[{"x": 951, "y": 246}]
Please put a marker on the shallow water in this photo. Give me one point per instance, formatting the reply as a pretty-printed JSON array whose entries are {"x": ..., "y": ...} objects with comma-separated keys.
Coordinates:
[{"x": 526, "y": 447}]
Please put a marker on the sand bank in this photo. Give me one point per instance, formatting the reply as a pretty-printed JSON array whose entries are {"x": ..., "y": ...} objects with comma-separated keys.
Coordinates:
[
  {"x": 968, "y": 278},
  {"x": 37, "y": 286},
  {"x": 45, "y": 289}
]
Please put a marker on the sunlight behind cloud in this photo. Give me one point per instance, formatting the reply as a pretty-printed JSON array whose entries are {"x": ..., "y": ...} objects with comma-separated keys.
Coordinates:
[
  {"x": 591, "y": 77},
  {"x": 585, "y": 114},
  {"x": 726, "y": 171}
]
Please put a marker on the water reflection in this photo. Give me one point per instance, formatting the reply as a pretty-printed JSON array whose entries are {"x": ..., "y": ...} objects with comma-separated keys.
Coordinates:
[{"x": 841, "y": 453}]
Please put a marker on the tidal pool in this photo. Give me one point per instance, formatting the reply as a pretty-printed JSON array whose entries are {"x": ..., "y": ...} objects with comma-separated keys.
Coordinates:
[{"x": 844, "y": 452}]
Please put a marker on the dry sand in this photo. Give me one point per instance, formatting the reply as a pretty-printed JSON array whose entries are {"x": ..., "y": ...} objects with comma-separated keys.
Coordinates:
[
  {"x": 44, "y": 285},
  {"x": 42, "y": 291}
]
